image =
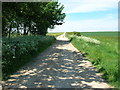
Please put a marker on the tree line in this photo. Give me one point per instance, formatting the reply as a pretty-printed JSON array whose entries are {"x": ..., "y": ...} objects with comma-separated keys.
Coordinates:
[{"x": 31, "y": 17}]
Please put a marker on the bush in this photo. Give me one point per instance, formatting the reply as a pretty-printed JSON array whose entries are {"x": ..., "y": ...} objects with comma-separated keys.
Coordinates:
[{"x": 19, "y": 50}]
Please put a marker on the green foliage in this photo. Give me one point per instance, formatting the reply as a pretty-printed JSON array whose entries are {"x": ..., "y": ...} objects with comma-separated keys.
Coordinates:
[
  {"x": 104, "y": 55},
  {"x": 19, "y": 50}
]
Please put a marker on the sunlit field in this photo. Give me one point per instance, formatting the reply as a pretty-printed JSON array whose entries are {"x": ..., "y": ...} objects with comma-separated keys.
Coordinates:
[
  {"x": 54, "y": 34},
  {"x": 104, "y": 55}
]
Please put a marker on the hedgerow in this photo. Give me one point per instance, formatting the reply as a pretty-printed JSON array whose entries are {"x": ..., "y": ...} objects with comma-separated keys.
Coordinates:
[{"x": 17, "y": 51}]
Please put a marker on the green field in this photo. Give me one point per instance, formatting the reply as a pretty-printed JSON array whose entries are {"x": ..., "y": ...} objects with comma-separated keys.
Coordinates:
[
  {"x": 54, "y": 34},
  {"x": 104, "y": 55},
  {"x": 100, "y": 33}
]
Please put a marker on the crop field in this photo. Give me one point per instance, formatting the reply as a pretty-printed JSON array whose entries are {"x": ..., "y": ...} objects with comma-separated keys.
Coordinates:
[{"x": 104, "y": 55}]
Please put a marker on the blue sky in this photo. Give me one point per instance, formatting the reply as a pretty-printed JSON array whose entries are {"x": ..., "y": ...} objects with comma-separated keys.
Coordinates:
[{"x": 89, "y": 15}]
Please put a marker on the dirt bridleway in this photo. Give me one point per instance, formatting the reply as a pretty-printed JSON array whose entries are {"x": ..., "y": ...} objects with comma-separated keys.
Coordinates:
[{"x": 60, "y": 66}]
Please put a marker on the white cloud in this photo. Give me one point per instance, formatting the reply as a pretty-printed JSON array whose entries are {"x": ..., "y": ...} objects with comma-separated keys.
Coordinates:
[
  {"x": 101, "y": 24},
  {"x": 108, "y": 23},
  {"x": 76, "y": 6}
]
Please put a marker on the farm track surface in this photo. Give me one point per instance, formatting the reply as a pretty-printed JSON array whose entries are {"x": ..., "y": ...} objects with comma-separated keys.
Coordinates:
[{"x": 60, "y": 66}]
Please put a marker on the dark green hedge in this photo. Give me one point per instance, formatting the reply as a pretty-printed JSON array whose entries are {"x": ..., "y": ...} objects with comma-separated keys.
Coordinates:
[{"x": 17, "y": 51}]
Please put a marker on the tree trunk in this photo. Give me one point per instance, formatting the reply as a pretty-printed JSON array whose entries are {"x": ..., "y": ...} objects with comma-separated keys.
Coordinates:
[
  {"x": 24, "y": 29},
  {"x": 29, "y": 30},
  {"x": 10, "y": 31},
  {"x": 18, "y": 28}
]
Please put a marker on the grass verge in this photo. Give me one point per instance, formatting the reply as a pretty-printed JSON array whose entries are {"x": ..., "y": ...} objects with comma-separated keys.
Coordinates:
[{"x": 104, "y": 55}]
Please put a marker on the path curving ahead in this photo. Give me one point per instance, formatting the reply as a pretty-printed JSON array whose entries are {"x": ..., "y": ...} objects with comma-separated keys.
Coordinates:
[{"x": 60, "y": 66}]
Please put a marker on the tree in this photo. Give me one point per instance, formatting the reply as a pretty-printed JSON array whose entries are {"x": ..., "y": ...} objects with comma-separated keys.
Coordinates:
[{"x": 42, "y": 15}]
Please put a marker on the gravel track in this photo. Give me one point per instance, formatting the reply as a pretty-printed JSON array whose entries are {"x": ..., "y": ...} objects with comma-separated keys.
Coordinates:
[{"x": 59, "y": 66}]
